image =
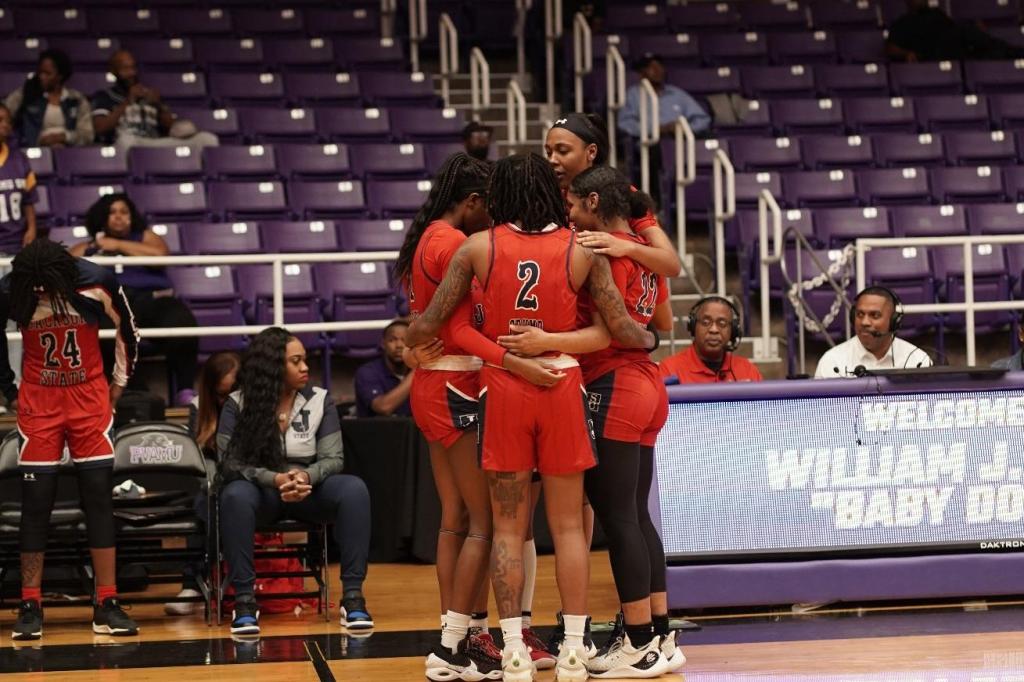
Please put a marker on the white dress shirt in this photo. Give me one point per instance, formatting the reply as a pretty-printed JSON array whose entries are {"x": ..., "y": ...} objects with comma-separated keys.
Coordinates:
[{"x": 839, "y": 362}]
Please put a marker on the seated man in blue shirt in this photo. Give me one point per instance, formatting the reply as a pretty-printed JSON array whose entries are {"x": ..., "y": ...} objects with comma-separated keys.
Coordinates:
[{"x": 383, "y": 385}]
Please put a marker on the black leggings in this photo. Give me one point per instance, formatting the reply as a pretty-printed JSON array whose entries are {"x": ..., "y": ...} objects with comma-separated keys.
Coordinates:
[
  {"x": 38, "y": 492},
  {"x": 655, "y": 550}
]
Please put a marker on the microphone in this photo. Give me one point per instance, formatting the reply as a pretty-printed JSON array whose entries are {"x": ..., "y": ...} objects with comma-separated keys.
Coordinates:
[
  {"x": 836, "y": 370},
  {"x": 860, "y": 371}
]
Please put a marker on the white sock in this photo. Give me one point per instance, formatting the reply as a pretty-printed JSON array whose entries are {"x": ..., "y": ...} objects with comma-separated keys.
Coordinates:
[
  {"x": 455, "y": 629},
  {"x": 512, "y": 633},
  {"x": 574, "y": 629},
  {"x": 529, "y": 579},
  {"x": 479, "y": 622}
]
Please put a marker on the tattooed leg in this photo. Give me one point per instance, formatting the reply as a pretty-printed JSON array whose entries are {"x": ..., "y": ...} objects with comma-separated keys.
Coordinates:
[
  {"x": 510, "y": 506},
  {"x": 31, "y": 569}
]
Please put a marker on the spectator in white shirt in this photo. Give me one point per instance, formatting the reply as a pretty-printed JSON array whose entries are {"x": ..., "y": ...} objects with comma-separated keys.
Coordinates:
[{"x": 877, "y": 314}]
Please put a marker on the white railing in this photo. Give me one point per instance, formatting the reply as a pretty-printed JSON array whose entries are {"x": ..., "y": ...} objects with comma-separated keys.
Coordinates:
[
  {"x": 686, "y": 174},
  {"x": 522, "y": 8},
  {"x": 276, "y": 260},
  {"x": 448, "y": 36},
  {"x": 650, "y": 134},
  {"x": 723, "y": 177},
  {"x": 615, "y": 75},
  {"x": 387, "y": 18},
  {"x": 479, "y": 82},
  {"x": 582, "y": 55},
  {"x": 552, "y": 33},
  {"x": 417, "y": 31},
  {"x": 969, "y": 306},
  {"x": 515, "y": 105}
]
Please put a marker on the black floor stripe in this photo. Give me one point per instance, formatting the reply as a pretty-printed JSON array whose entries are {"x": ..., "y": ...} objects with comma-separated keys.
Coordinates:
[{"x": 316, "y": 656}]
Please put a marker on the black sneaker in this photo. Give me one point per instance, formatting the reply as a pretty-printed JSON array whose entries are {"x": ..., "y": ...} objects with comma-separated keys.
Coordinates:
[
  {"x": 110, "y": 619},
  {"x": 245, "y": 619},
  {"x": 354, "y": 615},
  {"x": 618, "y": 630},
  {"x": 472, "y": 660},
  {"x": 558, "y": 636},
  {"x": 29, "y": 624}
]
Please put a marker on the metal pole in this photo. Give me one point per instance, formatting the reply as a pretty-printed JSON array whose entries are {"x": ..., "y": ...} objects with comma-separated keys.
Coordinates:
[
  {"x": 582, "y": 55},
  {"x": 724, "y": 180},
  {"x": 522, "y": 7},
  {"x": 686, "y": 173},
  {"x": 480, "y": 81},
  {"x": 766, "y": 203},
  {"x": 650, "y": 131},
  {"x": 277, "y": 268},
  {"x": 615, "y": 75},
  {"x": 448, "y": 36},
  {"x": 552, "y": 32},
  {"x": 969, "y": 301}
]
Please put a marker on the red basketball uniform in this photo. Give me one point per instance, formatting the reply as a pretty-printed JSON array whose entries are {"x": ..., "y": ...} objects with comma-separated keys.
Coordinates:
[
  {"x": 523, "y": 426},
  {"x": 625, "y": 393}
]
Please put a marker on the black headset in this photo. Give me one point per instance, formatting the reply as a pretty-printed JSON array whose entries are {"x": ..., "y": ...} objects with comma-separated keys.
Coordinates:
[
  {"x": 877, "y": 290},
  {"x": 735, "y": 328}
]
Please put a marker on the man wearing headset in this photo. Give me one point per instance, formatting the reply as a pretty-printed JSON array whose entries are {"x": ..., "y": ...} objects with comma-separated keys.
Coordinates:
[
  {"x": 714, "y": 324},
  {"x": 877, "y": 314}
]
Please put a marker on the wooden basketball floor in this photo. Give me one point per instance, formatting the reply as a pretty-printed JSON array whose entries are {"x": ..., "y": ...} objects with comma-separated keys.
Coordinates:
[{"x": 949, "y": 641}]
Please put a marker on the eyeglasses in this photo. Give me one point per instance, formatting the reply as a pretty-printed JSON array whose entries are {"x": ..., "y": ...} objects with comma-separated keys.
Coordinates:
[{"x": 721, "y": 323}]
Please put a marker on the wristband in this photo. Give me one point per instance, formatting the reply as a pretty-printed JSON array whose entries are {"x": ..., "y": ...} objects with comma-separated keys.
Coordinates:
[{"x": 657, "y": 337}]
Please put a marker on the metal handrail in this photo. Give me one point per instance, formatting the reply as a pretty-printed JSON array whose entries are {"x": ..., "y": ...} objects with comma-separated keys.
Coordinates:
[
  {"x": 686, "y": 174},
  {"x": 522, "y": 9},
  {"x": 515, "y": 103},
  {"x": 582, "y": 54},
  {"x": 615, "y": 75},
  {"x": 479, "y": 82},
  {"x": 448, "y": 36},
  {"x": 552, "y": 32},
  {"x": 417, "y": 31},
  {"x": 723, "y": 176},
  {"x": 388, "y": 8},
  {"x": 649, "y": 135}
]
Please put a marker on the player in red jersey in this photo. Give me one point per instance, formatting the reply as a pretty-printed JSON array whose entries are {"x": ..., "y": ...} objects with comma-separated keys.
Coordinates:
[
  {"x": 629, "y": 404},
  {"x": 444, "y": 404},
  {"x": 64, "y": 399},
  {"x": 531, "y": 271}
]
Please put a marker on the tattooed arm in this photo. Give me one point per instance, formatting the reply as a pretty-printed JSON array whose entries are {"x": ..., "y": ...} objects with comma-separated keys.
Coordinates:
[
  {"x": 446, "y": 299},
  {"x": 608, "y": 302}
]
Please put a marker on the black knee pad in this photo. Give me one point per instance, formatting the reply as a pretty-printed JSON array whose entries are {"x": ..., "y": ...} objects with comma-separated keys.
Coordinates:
[
  {"x": 95, "y": 487},
  {"x": 38, "y": 492}
]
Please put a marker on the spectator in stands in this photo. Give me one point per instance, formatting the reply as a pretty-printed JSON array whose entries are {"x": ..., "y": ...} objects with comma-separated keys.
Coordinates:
[
  {"x": 383, "y": 385},
  {"x": 877, "y": 314},
  {"x": 1015, "y": 362},
  {"x": 926, "y": 34},
  {"x": 117, "y": 228},
  {"x": 279, "y": 441},
  {"x": 216, "y": 383},
  {"x": 131, "y": 114},
  {"x": 47, "y": 113},
  {"x": 714, "y": 324},
  {"x": 476, "y": 137}
]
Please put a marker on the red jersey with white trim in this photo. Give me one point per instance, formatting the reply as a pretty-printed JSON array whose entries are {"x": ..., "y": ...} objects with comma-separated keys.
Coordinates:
[
  {"x": 529, "y": 280},
  {"x": 641, "y": 291},
  {"x": 433, "y": 254}
]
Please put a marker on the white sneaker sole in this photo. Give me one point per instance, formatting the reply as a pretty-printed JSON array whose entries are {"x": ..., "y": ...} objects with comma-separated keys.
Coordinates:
[
  {"x": 678, "y": 660},
  {"x": 571, "y": 668},
  {"x": 116, "y": 632},
  {"x": 518, "y": 669},
  {"x": 26, "y": 636},
  {"x": 439, "y": 670}
]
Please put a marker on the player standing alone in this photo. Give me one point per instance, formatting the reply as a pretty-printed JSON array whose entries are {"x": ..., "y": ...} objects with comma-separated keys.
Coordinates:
[{"x": 57, "y": 302}]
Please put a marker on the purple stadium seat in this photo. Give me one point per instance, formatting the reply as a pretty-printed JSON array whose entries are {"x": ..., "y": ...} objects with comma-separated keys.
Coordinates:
[
  {"x": 926, "y": 78},
  {"x": 856, "y": 80},
  {"x": 170, "y": 233},
  {"x": 69, "y": 235},
  {"x": 40, "y": 159},
  {"x": 93, "y": 81},
  {"x": 291, "y": 53},
  {"x": 248, "y": 200},
  {"x": 981, "y": 147},
  {"x": 880, "y": 114},
  {"x": 698, "y": 81},
  {"x": 121, "y": 21},
  {"x": 221, "y": 238},
  {"x": 861, "y": 47},
  {"x": 379, "y": 52},
  {"x": 435, "y": 154},
  {"x": 999, "y": 218},
  {"x": 222, "y": 122},
  {"x": 175, "y": 54},
  {"x": 212, "y": 296},
  {"x": 312, "y": 161},
  {"x": 929, "y": 221},
  {"x": 44, "y": 216},
  {"x": 749, "y": 186},
  {"x": 828, "y": 188},
  {"x": 831, "y": 14},
  {"x": 952, "y": 112},
  {"x": 735, "y": 48},
  {"x": 991, "y": 12},
  {"x": 185, "y": 201},
  {"x": 97, "y": 164},
  {"x": 757, "y": 121},
  {"x": 821, "y": 152},
  {"x": 396, "y": 87},
  {"x": 744, "y": 233},
  {"x": 765, "y": 153},
  {"x": 333, "y": 20},
  {"x": 278, "y": 125},
  {"x": 240, "y": 54},
  {"x": 1013, "y": 182},
  {"x": 355, "y": 125},
  {"x": 87, "y": 52},
  {"x": 907, "y": 272},
  {"x": 186, "y": 87},
  {"x": 427, "y": 125},
  {"x": 301, "y": 302},
  {"x": 259, "y": 20},
  {"x": 836, "y": 227},
  {"x": 894, "y": 186},
  {"x": 806, "y": 47},
  {"x": 311, "y": 236},
  {"x": 388, "y": 160},
  {"x": 327, "y": 88},
  {"x": 6, "y": 21},
  {"x": 800, "y": 116},
  {"x": 967, "y": 184},
  {"x": 1007, "y": 110},
  {"x": 331, "y": 199},
  {"x": 991, "y": 283},
  {"x": 645, "y": 18},
  {"x": 985, "y": 77},
  {"x": 675, "y": 49},
  {"x": 397, "y": 198},
  {"x": 247, "y": 88},
  {"x": 165, "y": 163},
  {"x": 12, "y": 80},
  {"x": 909, "y": 149},
  {"x": 70, "y": 204},
  {"x": 774, "y": 16},
  {"x": 777, "y": 81},
  {"x": 704, "y": 16},
  {"x": 356, "y": 291},
  {"x": 21, "y": 54},
  {"x": 193, "y": 20},
  {"x": 240, "y": 161},
  {"x": 372, "y": 235},
  {"x": 50, "y": 21}
]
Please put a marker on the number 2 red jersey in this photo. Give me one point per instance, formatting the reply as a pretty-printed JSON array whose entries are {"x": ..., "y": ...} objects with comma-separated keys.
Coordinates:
[{"x": 529, "y": 280}]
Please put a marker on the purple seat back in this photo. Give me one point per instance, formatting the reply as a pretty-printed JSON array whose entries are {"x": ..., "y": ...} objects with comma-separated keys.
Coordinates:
[
  {"x": 222, "y": 122},
  {"x": 800, "y": 116},
  {"x": 193, "y": 20},
  {"x": 647, "y": 17},
  {"x": 245, "y": 54},
  {"x": 171, "y": 234},
  {"x": 832, "y": 14},
  {"x": 1007, "y": 110},
  {"x": 1013, "y": 182},
  {"x": 179, "y": 87},
  {"x": 312, "y": 236},
  {"x": 421, "y": 125},
  {"x": 980, "y": 147},
  {"x": 240, "y": 161},
  {"x": 372, "y": 235},
  {"x": 1001, "y": 218},
  {"x": 396, "y": 87},
  {"x": 805, "y": 47},
  {"x": 397, "y": 198},
  {"x": 380, "y": 52},
  {"x": 750, "y": 47},
  {"x": 259, "y": 20},
  {"x": 698, "y": 81},
  {"x": 765, "y": 153},
  {"x": 317, "y": 87},
  {"x": 749, "y": 186},
  {"x": 880, "y": 114},
  {"x": 175, "y": 54},
  {"x": 71, "y": 203},
  {"x": 120, "y": 21},
  {"x": 270, "y": 125},
  {"x": 21, "y": 54},
  {"x": 985, "y": 77},
  {"x": 820, "y": 188},
  {"x": 306, "y": 161},
  {"x": 327, "y": 199},
  {"x": 314, "y": 52},
  {"x": 221, "y": 238},
  {"x": 774, "y": 16},
  {"x": 40, "y": 159},
  {"x": 926, "y": 78},
  {"x": 50, "y": 21},
  {"x": 909, "y": 149},
  {"x": 436, "y": 154},
  {"x": 777, "y": 81},
  {"x": 706, "y": 16},
  {"x": 165, "y": 163},
  {"x": 756, "y": 121},
  {"x": 675, "y": 49},
  {"x": 204, "y": 282},
  {"x": 836, "y": 227},
  {"x": 837, "y": 151},
  {"x": 247, "y": 88},
  {"x": 852, "y": 79},
  {"x": 354, "y": 125},
  {"x": 861, "y": 47},
  {"x": 975, "y": 184},
  {"x": 388, "y": 160},
  {"x": 952, "y": 112},
  {"x": 171, "y": 201},
  {"x": 87, "y": 52},
  {"x": 347, "y": 20},
  {"x": 929, "y": 221},
  {"x": 68, "y": 235},
  {"x": 992, "y": 12},
  {"x": 244, "y": 200},
  {"x": 894, "y": 186}
]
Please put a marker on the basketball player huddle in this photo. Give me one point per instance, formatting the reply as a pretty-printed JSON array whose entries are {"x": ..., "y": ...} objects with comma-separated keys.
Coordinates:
[{"x": 537, "y": 289}]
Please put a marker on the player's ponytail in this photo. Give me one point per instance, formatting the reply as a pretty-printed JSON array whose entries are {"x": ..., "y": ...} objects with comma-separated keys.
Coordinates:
[
  {"x": 616, "y": 197},
  {"x": 42, "y": 267},
  {"x": 460, "y": 176}
]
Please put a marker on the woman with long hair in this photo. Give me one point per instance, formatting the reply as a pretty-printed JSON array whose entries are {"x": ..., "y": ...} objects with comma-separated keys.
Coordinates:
[
  {"x": 47, "y": 113},
  {"x": 279, "y": 443}
]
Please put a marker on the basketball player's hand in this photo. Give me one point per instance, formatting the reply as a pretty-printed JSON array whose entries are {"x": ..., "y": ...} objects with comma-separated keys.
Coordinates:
[
  {"x": 536, "y": 372},
  {"x": 525, "y": 341},
  {"x": 423, "y": 354},
  {"x": 115, "y": 395},
  {"x": 604, "y": 244}
]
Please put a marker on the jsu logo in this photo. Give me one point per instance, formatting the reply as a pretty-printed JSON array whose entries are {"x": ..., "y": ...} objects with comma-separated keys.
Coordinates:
[{"x": 594, "y": 401}]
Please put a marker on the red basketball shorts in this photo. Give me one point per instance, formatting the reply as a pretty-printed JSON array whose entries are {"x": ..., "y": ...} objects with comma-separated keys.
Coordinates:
[
  {"x": 444, "y": 403},
  {"x": 50, "y": 417},
  {"x": 524, "y": 427},
  {"x": 628, "y": 404}
]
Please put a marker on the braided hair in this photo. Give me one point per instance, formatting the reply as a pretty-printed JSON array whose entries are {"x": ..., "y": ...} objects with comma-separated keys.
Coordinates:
[
  {"x": 460, "y": 176},
  {"x": 42, "y": 267},
  {"x": 618, "y": 199},
  {"x": 525, "y": 190}
]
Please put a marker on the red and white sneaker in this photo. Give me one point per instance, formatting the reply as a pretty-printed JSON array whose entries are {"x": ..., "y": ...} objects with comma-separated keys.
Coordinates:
[{"x": 542, "y": 658}]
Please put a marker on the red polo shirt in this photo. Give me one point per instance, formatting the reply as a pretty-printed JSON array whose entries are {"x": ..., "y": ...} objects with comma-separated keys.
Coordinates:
[{"x": 690, "y": 369}]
